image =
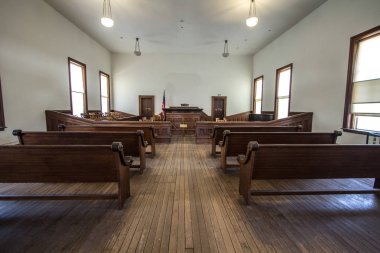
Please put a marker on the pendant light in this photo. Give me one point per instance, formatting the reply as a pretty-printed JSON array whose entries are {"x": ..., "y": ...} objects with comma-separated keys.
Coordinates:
[
  {"x": 106, "y": 19},
  {"x": 225, "y": 52},
  {"x": 137, "y": 48},
  {"x": 252, "y": 19}
]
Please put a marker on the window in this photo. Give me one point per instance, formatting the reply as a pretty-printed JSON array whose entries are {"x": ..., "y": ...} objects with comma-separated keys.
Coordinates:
[
  {"x": 283, "y": 84},
  {"x": 2, "y": 121},
  {"x": 77, "y": 80},
  {"x": 105, "y": 101},
  {"x": 362, "y": 107},
  {"x": 258, "y": 94}
]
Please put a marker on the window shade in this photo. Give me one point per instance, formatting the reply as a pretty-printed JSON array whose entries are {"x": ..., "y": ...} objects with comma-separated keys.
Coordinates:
[{"x": 366, "y": 92}]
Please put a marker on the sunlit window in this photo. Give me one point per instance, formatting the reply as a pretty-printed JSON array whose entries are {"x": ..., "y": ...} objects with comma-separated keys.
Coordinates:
[
  {"x": 77, "y": 77},
  {"x": 283, "y": 83},
  {"x": 363, "y": 108},
  {"x": 104, "y": 92},
  {"x": 258, "y": 95}
]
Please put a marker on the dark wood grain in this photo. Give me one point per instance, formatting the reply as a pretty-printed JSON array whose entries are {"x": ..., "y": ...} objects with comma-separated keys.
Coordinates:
[
  {"x": 149, "y": 132},
  {"x": 320, "y": 161},
  {"x": 133, "y": 142},
  {"x": 65, "y": 163},
  {"x": 235, "y": 143},
  {"x": 204, "y": 129},
  {"x": 55, "y": 118},
  {"x": 217, "y": 133}
]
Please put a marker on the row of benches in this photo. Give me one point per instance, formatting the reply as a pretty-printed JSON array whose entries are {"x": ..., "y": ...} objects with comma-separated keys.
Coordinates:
[
  {"x": 294, "y": 155},
  {"x": 76, "y": 154}
]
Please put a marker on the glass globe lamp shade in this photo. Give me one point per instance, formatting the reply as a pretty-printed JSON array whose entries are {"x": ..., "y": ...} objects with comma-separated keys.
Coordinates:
[
  {"x": 251, "y": 21},
  {"x": 107, "y": 22}
]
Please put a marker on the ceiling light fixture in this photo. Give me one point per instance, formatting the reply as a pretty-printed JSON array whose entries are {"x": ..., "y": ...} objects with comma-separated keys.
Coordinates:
[
  {"x": 225, "y": 52},
  {"x": 252, "y": 19},
  {"x": 106, "y": 19},
  {"x": 137, "y": 47}
]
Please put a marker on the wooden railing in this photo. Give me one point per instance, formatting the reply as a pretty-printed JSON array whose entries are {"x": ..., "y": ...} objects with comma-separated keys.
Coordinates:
[
  {"x": 203, "y": 129},
  {"x": 243, "y": 116},
  {"x": 54, "y": 118}
]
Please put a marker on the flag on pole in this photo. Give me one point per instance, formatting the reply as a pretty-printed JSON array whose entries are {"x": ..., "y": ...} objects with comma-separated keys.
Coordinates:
[{"x": 163, "y": 106}]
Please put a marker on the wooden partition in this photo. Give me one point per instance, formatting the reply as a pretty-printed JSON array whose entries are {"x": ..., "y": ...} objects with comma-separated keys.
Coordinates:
[
  {"x": 54, "y": 118},
  {"x": 204, "y": 129}
]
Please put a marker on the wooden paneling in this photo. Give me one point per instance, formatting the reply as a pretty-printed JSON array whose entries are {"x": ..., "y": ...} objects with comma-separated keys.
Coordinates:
[
  {"x": 186, "y": 204},
  {"x": 55, "y": 118},
  {"x": 265, "y": 161},
  {"x": 79, "y": 163},
  {"x": 235, "y": 143},
  {"x": 203, "y": 129},
  {"x": 133, "y": 142}
]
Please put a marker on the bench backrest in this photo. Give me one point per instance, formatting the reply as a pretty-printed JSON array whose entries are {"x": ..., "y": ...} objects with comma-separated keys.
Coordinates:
[
  {"x": 61, "y": 163},
  {"x": 219, "y": 130},
  {"x": 314, "y": 161},
  {"x": 237, "y": 142},
  {"x": 130, "y": 140},
  {"x": 149, "y": 134}
]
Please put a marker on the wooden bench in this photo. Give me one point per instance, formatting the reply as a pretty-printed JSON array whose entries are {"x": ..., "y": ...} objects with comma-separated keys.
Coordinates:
[
  {"x": 217, "y": 133},
  {"x": 289, "y": 161},
  {"x": 149, "y": 134},
  {"x": 235, "y": 143},
  {"x": 65, "y": 164},
  {"x": 133, "y": 142}
]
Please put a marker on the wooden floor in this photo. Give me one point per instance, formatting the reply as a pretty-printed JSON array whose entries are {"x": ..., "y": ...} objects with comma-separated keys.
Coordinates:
[{"x": 184, "y": 203}]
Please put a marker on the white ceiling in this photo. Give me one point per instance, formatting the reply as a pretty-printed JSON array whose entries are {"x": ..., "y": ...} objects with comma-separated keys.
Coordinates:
[{"x": 206, "y": 23}]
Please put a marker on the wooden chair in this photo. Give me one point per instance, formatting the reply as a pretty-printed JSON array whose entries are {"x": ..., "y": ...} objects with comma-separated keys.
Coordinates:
[
  {"x": 235, "y": 143},
  {"x": 133, "y": 142},
  {"x": 290, "y": 161},
  {"x": 217, "y": 133},
  {"x": 149, "y": 134},
  {"x": 66, "y": 164}
]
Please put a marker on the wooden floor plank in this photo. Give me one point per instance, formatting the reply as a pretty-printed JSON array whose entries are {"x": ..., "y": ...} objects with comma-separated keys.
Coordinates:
[{"x": 184, "y": 203}]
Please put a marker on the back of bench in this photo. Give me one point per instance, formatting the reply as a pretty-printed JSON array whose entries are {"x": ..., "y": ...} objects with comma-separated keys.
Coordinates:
[
  {"x": 61, "y": 163},
  {"x": 300, "y": 161},
  {"x": 236, "y": 143},
  {"x": 149, "y": 134},
  {"x": 219, "y": 130},
  {"x": 131, "y": 141},
  {"x": 315, "y": 161}
]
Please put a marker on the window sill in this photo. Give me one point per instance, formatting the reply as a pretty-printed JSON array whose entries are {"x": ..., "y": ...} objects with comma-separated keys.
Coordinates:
[{"x": 362, "y": 132}]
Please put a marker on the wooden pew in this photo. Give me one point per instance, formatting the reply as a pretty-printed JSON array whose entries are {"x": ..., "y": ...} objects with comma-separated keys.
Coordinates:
[
  {"x": 133, "y": 142},
  {"x": 217, "y": 133},
  {"x": 235, "y": 143},
  {"x": 65, "y": 164},
  {"x": 320, "y": 161},
  {"x": 149, "y": 134}
]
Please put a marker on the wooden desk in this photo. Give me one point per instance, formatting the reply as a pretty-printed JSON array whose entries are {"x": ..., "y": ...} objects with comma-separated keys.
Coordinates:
[{"x": 183, "y": 115}]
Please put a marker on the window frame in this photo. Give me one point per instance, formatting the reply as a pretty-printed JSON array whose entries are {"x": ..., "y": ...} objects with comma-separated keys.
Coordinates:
[
  {"x": 2, "y": 119},
  {"x": 84, "y": 76},
  {"x": 254, "y": 93},
  {"x": 348, "y": 117},
  {"x": 276, "y": 98},
  {"x": 108, "y": 90}
]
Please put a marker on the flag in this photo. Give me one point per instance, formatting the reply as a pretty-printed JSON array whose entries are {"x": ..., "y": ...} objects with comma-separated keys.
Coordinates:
[{"x": 163, "y": 106}]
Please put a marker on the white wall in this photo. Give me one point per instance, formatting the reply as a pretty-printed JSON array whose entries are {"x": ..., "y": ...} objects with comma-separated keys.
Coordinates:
[
  {"x": 318, "y": 47},
  {"x": 35, "y": 42},
  {"x": 191, "y": 79}
]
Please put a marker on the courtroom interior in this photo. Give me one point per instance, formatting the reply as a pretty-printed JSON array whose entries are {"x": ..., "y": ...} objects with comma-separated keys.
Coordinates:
[{"x": 189, "y": 126}]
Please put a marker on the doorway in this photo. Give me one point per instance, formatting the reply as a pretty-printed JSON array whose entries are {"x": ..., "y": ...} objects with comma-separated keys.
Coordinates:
[
  {"x": 218, "y": 107},
  {"x": 146, "y": 106}
]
